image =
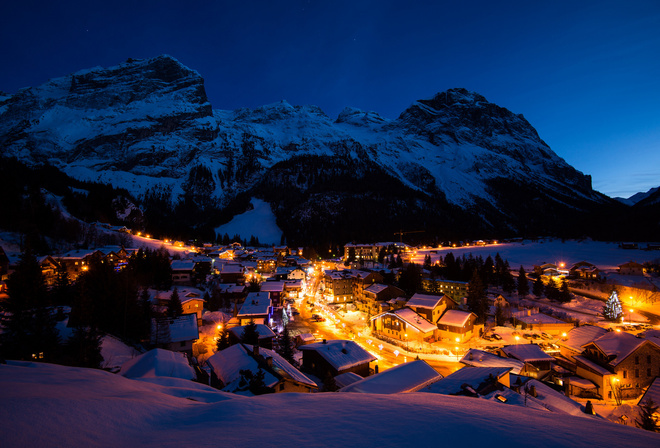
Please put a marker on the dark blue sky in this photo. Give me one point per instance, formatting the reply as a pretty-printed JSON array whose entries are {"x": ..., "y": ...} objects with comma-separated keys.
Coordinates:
[{"x": 586, "y": 74}]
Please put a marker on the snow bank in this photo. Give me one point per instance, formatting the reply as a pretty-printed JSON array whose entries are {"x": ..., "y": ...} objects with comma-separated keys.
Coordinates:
[{"x": 46, "y": 406}]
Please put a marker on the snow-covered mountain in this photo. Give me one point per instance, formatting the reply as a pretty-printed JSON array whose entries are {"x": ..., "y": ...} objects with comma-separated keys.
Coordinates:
[
  {"x": 148, "y": 125},
  {"x": 638, "y": 197}
]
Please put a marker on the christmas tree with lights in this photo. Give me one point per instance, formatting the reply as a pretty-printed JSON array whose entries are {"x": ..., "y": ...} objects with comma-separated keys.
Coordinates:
[{"x": 612, "y": 309}]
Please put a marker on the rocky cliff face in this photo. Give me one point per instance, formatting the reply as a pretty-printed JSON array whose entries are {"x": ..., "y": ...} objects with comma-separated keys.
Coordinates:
[{"x": 147, "y": 125}]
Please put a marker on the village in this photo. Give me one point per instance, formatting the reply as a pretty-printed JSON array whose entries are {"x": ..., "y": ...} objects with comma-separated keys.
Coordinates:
[{"x": 255, "y": 320}]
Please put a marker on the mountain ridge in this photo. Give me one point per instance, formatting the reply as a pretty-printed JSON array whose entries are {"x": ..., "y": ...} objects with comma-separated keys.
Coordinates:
[{"x": 147, "y": 126}]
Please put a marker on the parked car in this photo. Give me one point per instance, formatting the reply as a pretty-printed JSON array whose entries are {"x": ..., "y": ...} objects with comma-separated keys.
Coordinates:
[
  {"x": 545, "y": 335},
  {"x": 496, "y": 336}
]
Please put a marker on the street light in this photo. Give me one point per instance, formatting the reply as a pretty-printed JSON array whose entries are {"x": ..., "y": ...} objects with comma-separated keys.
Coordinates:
[
  {"x": 406, "y": 335},
  {"x": 517, "y": 338},
  {"x": 630, "y": 315}
]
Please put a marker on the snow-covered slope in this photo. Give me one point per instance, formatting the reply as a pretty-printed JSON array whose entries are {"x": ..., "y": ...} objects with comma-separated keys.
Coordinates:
[
  {"x": 47, "y": 405},
  {"x": 147, "y": 125}
]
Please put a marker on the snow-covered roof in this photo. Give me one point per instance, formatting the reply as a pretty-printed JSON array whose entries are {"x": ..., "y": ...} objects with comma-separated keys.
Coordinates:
[
  {"x": 263, "y": 331},
  {"x": 619, "y": 345},
  {"x": 232, "y": 268},
  {"x": 347, "y": 378},
  {"x": 340, "y": 354},
  {"x": 272, "y": 286},
  {"x": 256, "y": 304},
  {"x": 415, "y": 320},
  {"x": 538, "y": 318},
  {"x": 158, "y": 362},
  {"x": 181, "y": 328},
  {"x": 527, "y": 353},
  {"x": 579, "y": 336},
  {"x": 182, "y": 265},
  {"x": 376, "y": 288},
  {"x": 406, "y": 377},
  {"x": 424, "y": 301},
  {"x": 480, "y": 358},
  {"x": 652, "y": 393},
  {"x": 307, "y": 337},
  {"x": 592, "y": 365},
  {"x": 454, "y": 318},
  {"x": 555, "y": 401},
  {"x": 582, "y": 383},
  {"x": 471, "y": 377},
  {"x": 228, "y": 363}
]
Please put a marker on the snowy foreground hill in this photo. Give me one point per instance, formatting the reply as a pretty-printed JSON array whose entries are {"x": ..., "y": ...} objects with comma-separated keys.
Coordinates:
[
  {"x": 48, "y": 405},
  {"x": 147, "y": 125}
]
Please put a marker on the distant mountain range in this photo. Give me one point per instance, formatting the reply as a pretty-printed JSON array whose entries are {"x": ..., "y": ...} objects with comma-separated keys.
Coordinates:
[
  {"x": 641, "y": 196},
  {"x": 454, "y": 164}
]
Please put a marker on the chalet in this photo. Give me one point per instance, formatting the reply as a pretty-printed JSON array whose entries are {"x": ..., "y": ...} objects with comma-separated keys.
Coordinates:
[
  {"x": 362, "y": 280},
  {"x": 405, "y": 325},
  {"x": 376, "y": 294},
  {"x": 335, "y": 357},
  {"x": 257, "y": 307},
  {"x": 266, "y": 335},
  {"x": 455, "y": 324},
  {"x": 276, "y": 291},
  {"x": 530, "y": 354},
  {"x": 620, "y": 364},
  {"x": 584, "y": 270},
  {"x": 338, "y": 286},
  {"x": 361, "y": 251},
  {"x": 231, "y": 273},
  {"x": 78, "y": 261},
  {"x": 573, "y": 343},
  {"x": 293, "y": 289},
  {"x": 631, "y": 268},
  {"x": 451, "y": 288},
  {"x": 182, "y": 272},
  {"x": 547, "y": 269},
  {"x": 175, "y": 333},
  {"x": 406, "y": 377},
  {"x": 192, "y": 304},
  {"x": 279, "y": 375},
  {"x": 49, "y": 268},
  {"x": 431, "y": 307}
]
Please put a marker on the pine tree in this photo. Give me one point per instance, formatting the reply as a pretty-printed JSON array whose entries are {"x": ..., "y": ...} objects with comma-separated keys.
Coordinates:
[
  {"x": 612, "y": 310},
  {"x": 223, "y": 337},
  {"x": 551, "y": 291},
  {"x": 538, "y": 287},
  {"x": 564, "y": 293},
  {"x": 174, "y": 307},
  {"x": 476, "y": 298},
  {"x": 84, "y": 348},
  {"x": 28, "y": 324},
  {"x": 508, "y": 284},
  {"x": 523, "y": 283},
  {"x": 647, "y": 419},
  {"x": 250, "y": 334},
  {"x": 286, "y": 347}
]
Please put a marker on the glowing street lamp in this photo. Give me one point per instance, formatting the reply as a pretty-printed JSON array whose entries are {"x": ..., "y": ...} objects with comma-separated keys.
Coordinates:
[
  {"x": 517, "y": 338},
  {"x": 630, "y": 314}
]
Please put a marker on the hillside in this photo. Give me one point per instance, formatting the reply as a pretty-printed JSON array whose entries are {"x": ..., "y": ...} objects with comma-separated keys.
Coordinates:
[{"x": 48, "y": 405}]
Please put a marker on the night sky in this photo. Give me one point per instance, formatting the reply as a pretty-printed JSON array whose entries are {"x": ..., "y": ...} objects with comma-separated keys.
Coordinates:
[{"x": 586, "y": 74}]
